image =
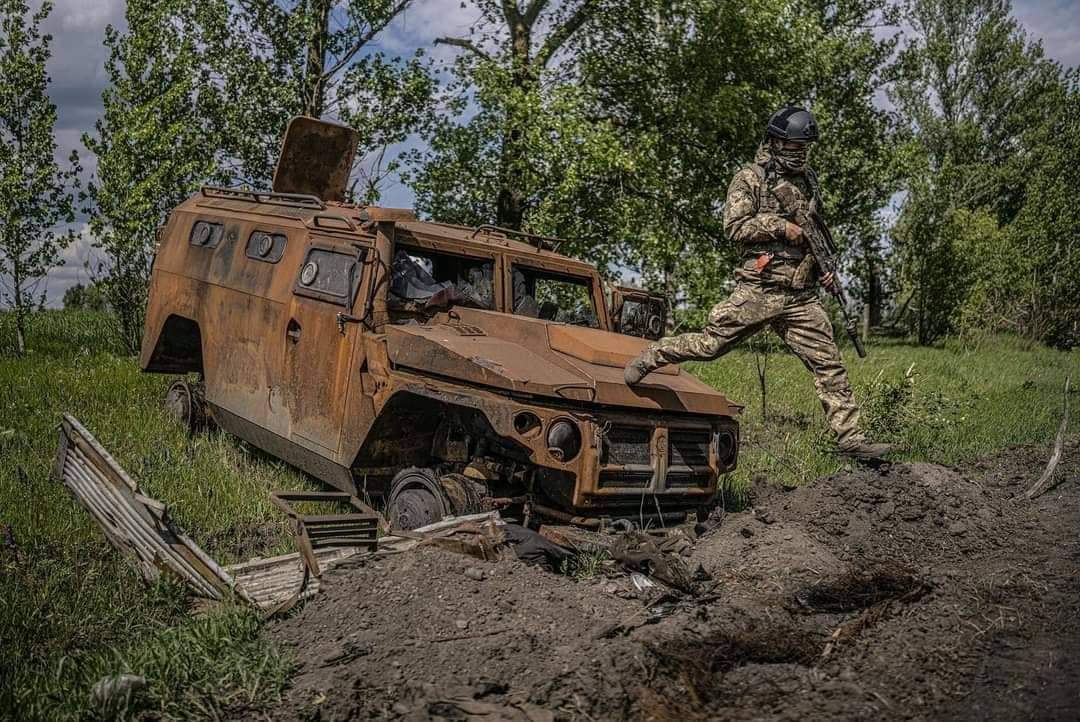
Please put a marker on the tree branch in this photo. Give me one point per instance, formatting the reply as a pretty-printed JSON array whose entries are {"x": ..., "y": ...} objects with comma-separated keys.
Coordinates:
[
  {"x": 561, "y": 34},
  {"x": 463, "y": 43},
  {"x": 533, "y": 11},
  {"x": 366, "y": 38}
]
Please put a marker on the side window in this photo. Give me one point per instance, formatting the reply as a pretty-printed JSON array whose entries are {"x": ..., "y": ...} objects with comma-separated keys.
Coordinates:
[
  {"x": 329, "y": 276},
  {"x": 263, "y": 246},
  {"x": 554, "y": 297},
  {"x": 419, "y": 275},
  {"x": 206, "y": 234},
  {"x": 642, "y": 317}
]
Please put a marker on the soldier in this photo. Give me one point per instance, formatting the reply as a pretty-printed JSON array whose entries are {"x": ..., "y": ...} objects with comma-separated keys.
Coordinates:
[{"x": 776, "y": 282}]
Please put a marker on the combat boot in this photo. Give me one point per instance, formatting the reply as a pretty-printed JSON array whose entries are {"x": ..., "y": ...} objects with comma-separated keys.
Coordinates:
[
  {"x": 863, "y": 450},
  {"x": 639, "y": 367}
]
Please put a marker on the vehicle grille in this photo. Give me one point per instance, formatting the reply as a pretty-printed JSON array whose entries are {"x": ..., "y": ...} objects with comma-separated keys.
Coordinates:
[
  {"x": 627, "y": 445},
  {"x": 626, "y": 479},
  {"x": 688, "y": 447},
  {"x": 688, "y": 478}
]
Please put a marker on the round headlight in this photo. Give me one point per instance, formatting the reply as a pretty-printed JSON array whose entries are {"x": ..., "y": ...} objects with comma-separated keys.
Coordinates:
[
  {"x": 563, "y": 440},
  {"x": 726, "y": 448}
]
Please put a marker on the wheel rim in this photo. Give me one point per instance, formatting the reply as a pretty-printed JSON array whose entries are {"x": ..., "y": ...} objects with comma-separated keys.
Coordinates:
[
  {"x": 178, "y": 403},
  {"x": 415, "y": 507}
]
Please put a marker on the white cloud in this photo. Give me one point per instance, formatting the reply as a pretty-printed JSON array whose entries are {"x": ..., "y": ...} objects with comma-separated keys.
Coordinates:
[
  {"x": 1056, "y": 23},
  {"x": 83, "y": 14}
]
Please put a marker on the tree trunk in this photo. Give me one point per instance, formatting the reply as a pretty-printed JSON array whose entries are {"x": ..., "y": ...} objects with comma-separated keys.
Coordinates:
[
  {"x": 669, "y": 294},
  {"x": 314, "y": 100},
  {"x": 510, "y": 202},
  {"x": 20, "y": 308}
]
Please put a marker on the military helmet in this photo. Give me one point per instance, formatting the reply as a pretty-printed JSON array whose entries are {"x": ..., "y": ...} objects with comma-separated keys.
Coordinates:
[{"x": 793, "y": 123}]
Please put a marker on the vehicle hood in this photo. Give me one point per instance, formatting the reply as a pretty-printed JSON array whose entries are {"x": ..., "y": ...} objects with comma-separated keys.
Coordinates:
[{"x": 548, "y": 359}]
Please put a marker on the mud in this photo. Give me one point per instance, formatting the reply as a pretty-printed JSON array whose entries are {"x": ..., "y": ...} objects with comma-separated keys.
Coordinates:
[{"x": 910, "y": 592}]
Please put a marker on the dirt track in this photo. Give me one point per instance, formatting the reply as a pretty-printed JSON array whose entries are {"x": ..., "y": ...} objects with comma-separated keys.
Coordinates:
[{"x": 913, "y": 592}]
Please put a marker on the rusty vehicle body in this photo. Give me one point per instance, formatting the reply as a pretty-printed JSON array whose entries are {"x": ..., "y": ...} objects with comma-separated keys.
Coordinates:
[{"x": 299, "y": 315}]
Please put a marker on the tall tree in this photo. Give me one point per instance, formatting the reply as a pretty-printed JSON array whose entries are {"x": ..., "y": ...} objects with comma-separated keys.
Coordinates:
[
  {"x": 971, "y": 87},
  {"x": 156, "y": 143},
  {"x": 1023, "y": 277},
  {"x": 690, "y": 86},
  {"x": 35, "y": 193},
  {"x": 510, "y": 71},
  {"x": 274, "y": 60},
  {"x": 202, "y": 90}
]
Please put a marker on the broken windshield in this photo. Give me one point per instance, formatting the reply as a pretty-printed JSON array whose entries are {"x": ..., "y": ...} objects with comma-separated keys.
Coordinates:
[
  {"x": 419, "y": 276},
  {"x": 554, "y": 297}
]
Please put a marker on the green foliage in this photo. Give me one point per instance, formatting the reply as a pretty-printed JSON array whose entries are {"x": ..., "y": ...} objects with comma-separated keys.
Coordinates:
[
  {"x": 89, "y": 297},
  {"x": 943, "y": 404},
  {"x": 201, "y": 92},
  {"x": 519, "y": 146},
  {"x": 35, "y": 193},
  {"x": 198, "y": 669},
  {"x": 975, "y": 94},
  {"x": 1041, "y": 290},
  {"x": 155, "y": 144},
  {"x": 585, "y": 565},
  {"x": 276, "y": 60},
  {"x": 898, "y": 409},
  {"x": 625, "y": 145}
]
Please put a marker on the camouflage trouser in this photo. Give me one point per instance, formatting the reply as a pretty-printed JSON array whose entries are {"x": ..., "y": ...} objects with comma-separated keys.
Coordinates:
[{"x": 798, "y": 319}]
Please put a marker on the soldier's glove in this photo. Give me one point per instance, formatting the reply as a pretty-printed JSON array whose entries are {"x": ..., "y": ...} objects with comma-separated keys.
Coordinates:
[{"x": 793, "y": 233}]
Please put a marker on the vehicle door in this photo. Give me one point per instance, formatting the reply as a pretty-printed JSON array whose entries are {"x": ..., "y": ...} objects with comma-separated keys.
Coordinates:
[{"x": 319, "y": 339}]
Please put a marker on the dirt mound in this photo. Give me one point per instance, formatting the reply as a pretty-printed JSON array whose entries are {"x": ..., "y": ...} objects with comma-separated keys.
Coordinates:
[
  {"x": 921, "y": 511},
  {"x": 909, "y": 592}
]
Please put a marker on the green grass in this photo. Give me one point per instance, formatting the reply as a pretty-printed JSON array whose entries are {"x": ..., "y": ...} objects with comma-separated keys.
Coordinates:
[
  {"x": 65, "y": 595},
  {"x": 72, "y": 611},
  {"x": 945, "y": 405}
]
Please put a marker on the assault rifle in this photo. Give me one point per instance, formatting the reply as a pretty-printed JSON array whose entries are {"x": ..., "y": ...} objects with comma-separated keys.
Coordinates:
[{"x": 823, "y": 248}]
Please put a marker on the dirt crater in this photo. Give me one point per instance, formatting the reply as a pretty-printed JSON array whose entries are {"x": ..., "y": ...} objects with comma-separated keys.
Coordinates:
[{"x": 910, "y": 592}]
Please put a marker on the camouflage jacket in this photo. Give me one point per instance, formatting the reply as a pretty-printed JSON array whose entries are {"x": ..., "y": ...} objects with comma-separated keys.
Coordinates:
[{"x": 756, "y": 213}]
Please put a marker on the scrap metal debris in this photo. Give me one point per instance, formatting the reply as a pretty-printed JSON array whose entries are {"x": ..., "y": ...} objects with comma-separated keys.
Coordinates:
[
  {"x": 638, "y": 551},
  {"x": 135, "y": 524},
  {"x": 141, "y": 527}
]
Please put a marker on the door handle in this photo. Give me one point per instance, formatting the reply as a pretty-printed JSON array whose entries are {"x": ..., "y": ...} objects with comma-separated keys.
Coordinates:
[
  {"x": 344, "y": 318},
  {"x": 292, "y": 333}
]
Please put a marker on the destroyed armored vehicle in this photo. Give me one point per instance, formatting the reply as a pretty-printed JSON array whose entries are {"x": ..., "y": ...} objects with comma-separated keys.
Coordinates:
[{"x": 438, "y": 368}]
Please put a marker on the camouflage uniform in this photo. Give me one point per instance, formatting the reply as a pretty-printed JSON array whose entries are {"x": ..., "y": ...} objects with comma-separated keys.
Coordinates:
[{"x": 783, "y": 294}]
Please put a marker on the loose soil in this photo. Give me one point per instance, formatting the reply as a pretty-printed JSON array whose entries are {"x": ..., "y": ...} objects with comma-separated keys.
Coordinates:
[{"x": 913, "y": 591}]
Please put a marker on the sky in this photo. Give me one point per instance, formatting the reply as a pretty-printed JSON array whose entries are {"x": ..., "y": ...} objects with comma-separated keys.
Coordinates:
[{"x": 77, "y": 71}]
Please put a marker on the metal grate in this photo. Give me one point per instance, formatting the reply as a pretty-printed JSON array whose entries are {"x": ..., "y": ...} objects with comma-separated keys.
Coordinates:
[
  {"x": 625, "y": 479},
  {"x": 688, "y": 447},
  {"x": 626, "y": 445},
  {"x": 677, "y": 479}
]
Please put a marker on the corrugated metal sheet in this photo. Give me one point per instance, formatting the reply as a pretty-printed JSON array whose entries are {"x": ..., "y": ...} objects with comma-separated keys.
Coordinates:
[
  {"x": 140, "y": 527},
  {"x": 135, "y": 524},
  {"x": 270, "y": 582}
]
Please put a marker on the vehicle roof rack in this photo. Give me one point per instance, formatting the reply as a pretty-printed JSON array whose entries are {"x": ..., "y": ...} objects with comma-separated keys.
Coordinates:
[
  {"x": 543, "y": 243},
  {"x": 302, "y": 200}
]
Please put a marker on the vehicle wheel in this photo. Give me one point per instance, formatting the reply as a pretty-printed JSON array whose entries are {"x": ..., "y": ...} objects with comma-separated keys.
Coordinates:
[
  {"x": 186, "y": 403},
  {"x": 416, "y": 499},
  {"x": 466, "y": 496}
]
